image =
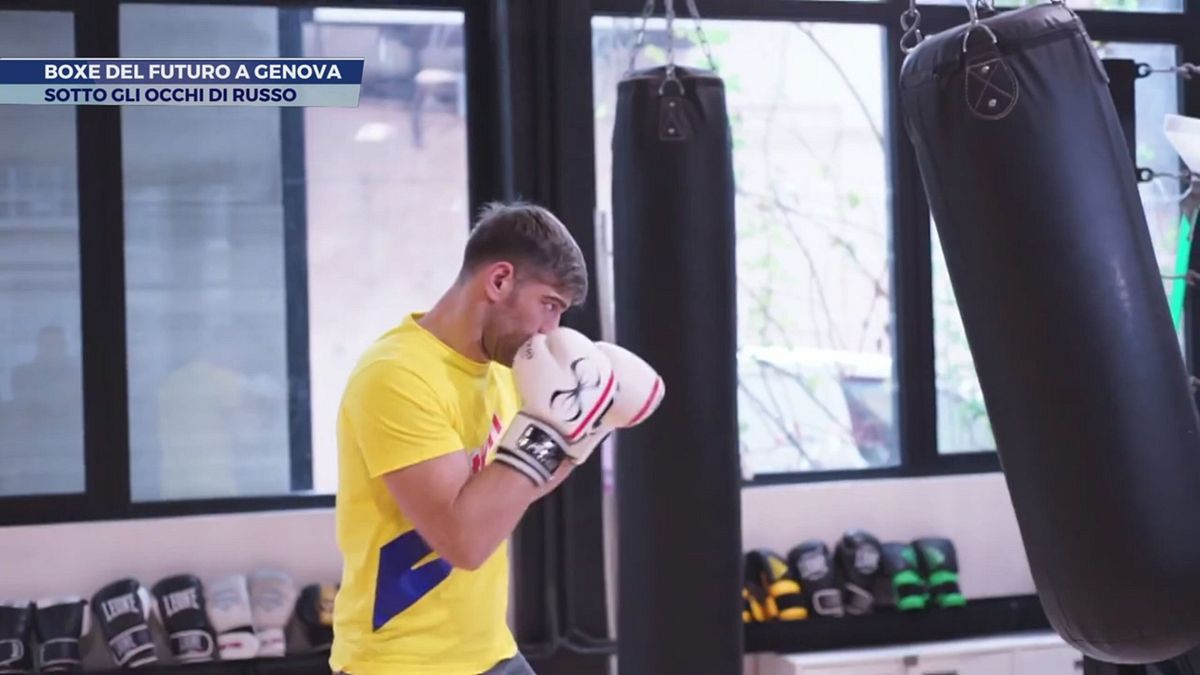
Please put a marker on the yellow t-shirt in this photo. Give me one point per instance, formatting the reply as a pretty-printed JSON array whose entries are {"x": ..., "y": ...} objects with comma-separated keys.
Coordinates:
[{"x": 400, "y": 608}]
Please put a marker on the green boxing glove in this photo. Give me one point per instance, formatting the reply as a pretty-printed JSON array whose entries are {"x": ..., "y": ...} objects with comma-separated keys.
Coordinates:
[
  {"x": 939, "y": 566},
  {"x": 899, "y": 563}
]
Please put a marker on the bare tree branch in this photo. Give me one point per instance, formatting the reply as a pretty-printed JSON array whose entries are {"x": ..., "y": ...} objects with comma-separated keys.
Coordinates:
[
  {"x": 792, "y": 440},
  {"x": 808, "y": 390},
  {"x": 818, "y": 286},
  {"x": 807, "y": 30}
]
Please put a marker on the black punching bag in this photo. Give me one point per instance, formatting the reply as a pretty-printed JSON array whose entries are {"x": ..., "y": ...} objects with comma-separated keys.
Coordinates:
[
  {"x": 1030, "y": 184},
  {"x": 678, "y": 499}
]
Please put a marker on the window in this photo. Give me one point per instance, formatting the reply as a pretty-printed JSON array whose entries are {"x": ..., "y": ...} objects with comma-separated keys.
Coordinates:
[
  {"x": 1156, "y": 95},
  {"x": 1098, "y": 5},
  {"x": 387, "y": 192},
  {"x": 962, "y": 424},
  {"x": 206, "y": 293},
  {"x": 41, "y": 382},
  {"x": 263, "y": 248},
  {"x": 210, "y": 218},
  {"x": 816, "y": 389},
  {"x": 820, "y": 326}
]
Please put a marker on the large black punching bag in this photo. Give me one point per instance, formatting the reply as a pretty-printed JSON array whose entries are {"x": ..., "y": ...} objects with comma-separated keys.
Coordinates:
[
  {"x": 678, "y": 496},
  {"x": 1035, "y": 200}
]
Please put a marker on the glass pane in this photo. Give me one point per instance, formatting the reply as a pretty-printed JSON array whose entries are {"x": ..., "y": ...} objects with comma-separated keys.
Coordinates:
[
  {"x": 816, "y": 388},
  {"x": 204, "y": 247},
  {"x": 386, "y": 219},
  {"x": 1098, "y": 5},
  {"x": 1155, "y": 96},
  {"x": 962, "y": 419},
  {"x": 41, "y": 382},
  {"x": 962, "y": 422},
  {"x": 387, "y": 192}
]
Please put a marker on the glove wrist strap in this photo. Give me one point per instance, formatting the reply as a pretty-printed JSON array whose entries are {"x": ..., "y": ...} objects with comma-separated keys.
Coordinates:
[
  {"x": 238, "y": 643},
  {"x": 59, "y": 653},
  {"x": 14, "y": 658},
  {"x": 133, "y": 646},
  {"x": 271, "y": 642},
  {"x": 193, "y": 645},
  {"x": 533, "y": 448}
]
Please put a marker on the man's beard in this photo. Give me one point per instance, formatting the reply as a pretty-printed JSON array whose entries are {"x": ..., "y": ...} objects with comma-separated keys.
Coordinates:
[{"x": 507, "y": 347}]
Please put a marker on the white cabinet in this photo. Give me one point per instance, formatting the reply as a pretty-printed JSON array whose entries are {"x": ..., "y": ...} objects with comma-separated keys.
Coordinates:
[
  {"x": 834, "y": 664},
  {"x": 995, "y": 663},
  {"x": 880, "y": 668},
  {"x": 1021, "y": 654},
  {"x": 1048, "y": 661}
]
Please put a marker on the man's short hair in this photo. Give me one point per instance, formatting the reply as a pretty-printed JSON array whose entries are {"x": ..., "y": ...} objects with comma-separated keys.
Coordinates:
[{"x": 534, "y": 241}]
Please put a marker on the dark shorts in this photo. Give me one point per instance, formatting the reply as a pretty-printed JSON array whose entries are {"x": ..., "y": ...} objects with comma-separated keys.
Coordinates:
[{"x": 517, "y": 665}]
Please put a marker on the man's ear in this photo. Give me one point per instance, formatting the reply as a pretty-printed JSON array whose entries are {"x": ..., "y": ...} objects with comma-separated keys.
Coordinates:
[{"x": 499, "y": 280}]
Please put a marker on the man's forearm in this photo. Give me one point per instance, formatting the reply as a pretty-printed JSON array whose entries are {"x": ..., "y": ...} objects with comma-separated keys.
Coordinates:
[{"x": 489, "y": 507}]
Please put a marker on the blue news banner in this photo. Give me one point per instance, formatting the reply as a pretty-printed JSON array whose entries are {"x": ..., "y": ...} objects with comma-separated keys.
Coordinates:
[{"x": 274, "y": 82}]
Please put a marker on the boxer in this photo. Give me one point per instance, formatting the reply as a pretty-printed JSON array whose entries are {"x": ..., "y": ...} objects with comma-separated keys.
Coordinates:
[{"x": 451, "y": 425}]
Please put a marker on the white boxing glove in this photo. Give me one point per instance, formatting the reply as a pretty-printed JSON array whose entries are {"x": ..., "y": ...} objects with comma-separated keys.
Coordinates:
[
  {"x": 567, "y": 385},
  {"x": 640, "y": 390},
  {"x": 272, "y": 598},
  {"x": 228, "y": 601}
]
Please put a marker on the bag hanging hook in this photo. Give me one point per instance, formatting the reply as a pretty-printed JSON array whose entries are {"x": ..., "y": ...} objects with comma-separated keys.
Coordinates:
[
  {"x": 975, "y": 24},
  {"x": 910, "y": 23}
]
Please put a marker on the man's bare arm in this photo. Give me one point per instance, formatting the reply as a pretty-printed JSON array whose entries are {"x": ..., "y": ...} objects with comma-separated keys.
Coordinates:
[{"x": 465, "y": 518}]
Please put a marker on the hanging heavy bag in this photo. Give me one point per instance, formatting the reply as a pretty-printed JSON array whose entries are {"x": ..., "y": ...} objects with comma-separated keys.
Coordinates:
[
  {"x": 674, "y": 285},
  {"x": 1035, "y": 201}
]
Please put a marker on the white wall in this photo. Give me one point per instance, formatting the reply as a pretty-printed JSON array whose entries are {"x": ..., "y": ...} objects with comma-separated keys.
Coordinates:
[
  {"x": 972, "y": 510},
  {"x": 41, "y": 561},
  {"x": 78, "y": 559}
]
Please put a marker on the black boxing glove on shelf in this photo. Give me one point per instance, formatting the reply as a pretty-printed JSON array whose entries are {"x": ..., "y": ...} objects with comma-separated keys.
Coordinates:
[
  {"x": 16, "y": 629},
  {"x": 314, "y": 608},
  {"x": 754, "y": 601},
  {"x": 122, "y": 610},
  {"x": 812, "y": 563},
  {"x": 857, "y": 558},
  {"x": 899, "y": 565},
  {"x": 784, "y": 599},
  {"x": 939, "y": 566},
  {"x": 185, "y": 618},
  {"x": 60, "y": 624}
]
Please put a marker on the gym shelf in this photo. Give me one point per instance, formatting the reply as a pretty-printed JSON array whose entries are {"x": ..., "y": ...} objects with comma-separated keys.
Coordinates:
[{"x": 988, "y": 616}]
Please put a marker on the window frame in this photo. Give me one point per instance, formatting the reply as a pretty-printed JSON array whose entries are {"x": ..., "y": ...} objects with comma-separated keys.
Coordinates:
[
  {"x": 491, "y": 174},
  {"x": 106, "y": 449},
  {"x": 912, "y": 283}
]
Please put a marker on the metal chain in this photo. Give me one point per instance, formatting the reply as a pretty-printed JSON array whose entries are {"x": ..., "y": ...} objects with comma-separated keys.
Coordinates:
[
  {"x": 1145, "y": 175},
  {"x": 647, "y": 10},
  {"x": 1185, "y": 70},
  {"x": 712, "y": 63},
  {"x": 670, "y": 5},
  {"x": 671, "y": 76},
  {"x": 910, "y": 23}
]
